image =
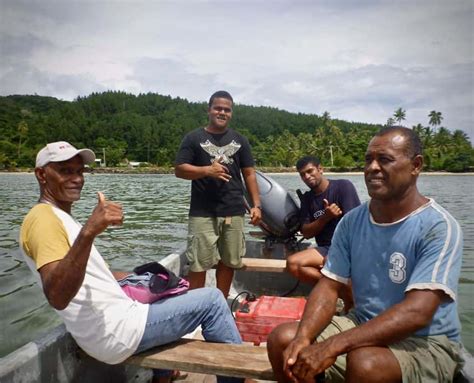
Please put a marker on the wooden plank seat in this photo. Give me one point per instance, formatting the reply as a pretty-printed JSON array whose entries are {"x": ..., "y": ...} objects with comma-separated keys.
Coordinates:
[
  {"x": 264, "y": 264},
  {"x": 192, "y": 355}
]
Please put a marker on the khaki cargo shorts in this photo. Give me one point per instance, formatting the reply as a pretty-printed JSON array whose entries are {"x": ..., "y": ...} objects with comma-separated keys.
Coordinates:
[
  {"x": 429, "y": 359},
  {"x": 211, "y": 239}
]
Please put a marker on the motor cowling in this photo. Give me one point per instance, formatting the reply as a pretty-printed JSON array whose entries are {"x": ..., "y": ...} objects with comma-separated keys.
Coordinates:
[{"x": 280, "y": 211}]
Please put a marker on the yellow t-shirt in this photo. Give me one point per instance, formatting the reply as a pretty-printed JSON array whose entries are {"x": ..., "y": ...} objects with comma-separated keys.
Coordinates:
[{"x": 43, "y": 236}]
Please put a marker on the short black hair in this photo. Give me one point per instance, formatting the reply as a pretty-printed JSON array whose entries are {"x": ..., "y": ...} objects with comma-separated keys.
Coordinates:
[
  {"x": 413, "y": 143},
  {"x": 220, "y": 94},
  {"x": 303, "y": 161}
]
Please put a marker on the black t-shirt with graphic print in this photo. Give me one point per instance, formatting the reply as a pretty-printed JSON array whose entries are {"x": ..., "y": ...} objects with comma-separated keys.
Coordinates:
[
  {"x": 340, "y": 192},
  {"x": 211, "y": 197}
]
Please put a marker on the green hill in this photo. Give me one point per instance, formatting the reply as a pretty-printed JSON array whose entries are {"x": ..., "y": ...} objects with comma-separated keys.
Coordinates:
[{"x": 149, "y": 127}]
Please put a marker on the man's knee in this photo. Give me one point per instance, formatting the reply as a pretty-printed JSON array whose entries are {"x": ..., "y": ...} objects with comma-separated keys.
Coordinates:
[
  {"x": 292, "y": 263},
  {"x": 209, "y": 295},
  {"x": 215, "y": 295},
  {"x": 361, "y": 360},
  {"x": 372, "y": 364},
  {"x": 281, "y": 336}
]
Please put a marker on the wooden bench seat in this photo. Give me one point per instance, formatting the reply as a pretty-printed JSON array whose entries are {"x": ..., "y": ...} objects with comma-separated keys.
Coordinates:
[
  {"x": 192, "y": 355},
  {"x": 198, "y": 356},
  {"x": 263, "y": 264}
]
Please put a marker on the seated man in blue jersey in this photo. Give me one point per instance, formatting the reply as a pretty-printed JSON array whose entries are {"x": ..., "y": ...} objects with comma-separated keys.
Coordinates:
[
  {"x": 402, "y": 251},
  {"x": 322, "y": 207},
  {"x": 104, "y": 321}
]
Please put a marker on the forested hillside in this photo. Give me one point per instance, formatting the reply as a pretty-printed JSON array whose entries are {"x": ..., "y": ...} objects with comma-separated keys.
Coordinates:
[{"x": 149, "y": 127}]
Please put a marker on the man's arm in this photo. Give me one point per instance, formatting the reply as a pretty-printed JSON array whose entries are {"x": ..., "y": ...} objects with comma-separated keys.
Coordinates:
[
  {"x": 319, "y": 310},
  {"x": 193, "y": 172},
  {"x": 398, "y": 322},
  {"x": 312, "y": 229},
  {"x": 252, "y": 188},
  {"x": 322, "y": 300},
  {"x": 62, "y": 279}
]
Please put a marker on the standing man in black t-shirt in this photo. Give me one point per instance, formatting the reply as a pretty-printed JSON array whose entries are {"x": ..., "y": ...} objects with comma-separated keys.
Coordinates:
[
  {"x": 322, "y": 208},
  {"x": 213, "y": 157}
]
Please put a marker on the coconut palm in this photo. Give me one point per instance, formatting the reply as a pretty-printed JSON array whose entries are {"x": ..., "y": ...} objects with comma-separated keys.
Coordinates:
[
  {"x": 22, "y": 133},
  {"x": 390, "y": 122},
  {"x": 435, "y": 118},
  {"x": 399, "y": 115},
  {"x": 419, "y": 130},
  {"x": 326, "y": 116},
  {"x": 460, "y": 138}
]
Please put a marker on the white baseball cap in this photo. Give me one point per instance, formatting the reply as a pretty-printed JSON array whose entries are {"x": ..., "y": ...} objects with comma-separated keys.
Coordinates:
[{"x": 62, "y": 151}]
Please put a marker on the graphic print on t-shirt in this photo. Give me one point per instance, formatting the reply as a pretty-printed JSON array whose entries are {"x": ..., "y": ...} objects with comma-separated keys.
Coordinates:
[
  {"x": 319, "y": 213},
  {"x": 223, "y": 154}
]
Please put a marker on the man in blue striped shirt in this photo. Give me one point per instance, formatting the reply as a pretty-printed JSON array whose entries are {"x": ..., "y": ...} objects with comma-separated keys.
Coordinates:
[{"x": 402, "y": 252}]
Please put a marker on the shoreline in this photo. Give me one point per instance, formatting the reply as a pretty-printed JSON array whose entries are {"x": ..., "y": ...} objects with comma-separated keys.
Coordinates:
[{"x": 268, "y": 171}]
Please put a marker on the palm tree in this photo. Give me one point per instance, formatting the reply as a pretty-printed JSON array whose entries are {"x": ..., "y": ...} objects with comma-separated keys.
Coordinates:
[
  {"x": 390, "y": 122},
  {"x": 326, "y": 116},
  {"x": 399, "y": 115},
  {"x": 460, "y": 138},
  {"x": 22, "y": 132},
  {"x": 327, "y": 122},
  {"x": 435, "y": 118},
  {"x": 419, "y": 130}
]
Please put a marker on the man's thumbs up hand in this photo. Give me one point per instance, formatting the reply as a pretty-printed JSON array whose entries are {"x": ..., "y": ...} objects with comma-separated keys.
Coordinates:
[
  {"x": 106, "y": 213},
  {"x": 331, "y": 210},
  {"x": 101, "y": 198}
]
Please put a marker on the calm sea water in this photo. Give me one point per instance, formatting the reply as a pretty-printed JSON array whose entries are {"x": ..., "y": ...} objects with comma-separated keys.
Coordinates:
[{"x": 155, "y": 225}]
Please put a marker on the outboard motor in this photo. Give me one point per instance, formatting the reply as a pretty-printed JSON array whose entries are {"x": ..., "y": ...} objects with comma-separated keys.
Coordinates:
[{"x": 280, "y": 211}]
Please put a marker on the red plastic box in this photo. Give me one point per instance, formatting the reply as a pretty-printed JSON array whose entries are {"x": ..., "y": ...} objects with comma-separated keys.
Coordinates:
[{"x": 256, "y": 319}]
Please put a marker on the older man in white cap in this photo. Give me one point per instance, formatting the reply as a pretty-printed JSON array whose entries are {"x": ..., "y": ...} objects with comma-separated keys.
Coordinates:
[{"x": 103, "y": 320}]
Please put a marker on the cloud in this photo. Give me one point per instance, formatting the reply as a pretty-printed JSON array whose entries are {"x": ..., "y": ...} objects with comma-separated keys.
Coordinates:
[
  {"x": 372, "y": 93},
  {"x": 20, "y": 47},
  {"x": 359, "y": 60},
  {"x": 171, "y": 77},
  {"x": 34, "y": 81}
]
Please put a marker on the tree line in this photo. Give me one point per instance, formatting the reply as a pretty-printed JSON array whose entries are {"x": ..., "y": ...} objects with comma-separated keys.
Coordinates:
[{"x": 148, "y": 128}]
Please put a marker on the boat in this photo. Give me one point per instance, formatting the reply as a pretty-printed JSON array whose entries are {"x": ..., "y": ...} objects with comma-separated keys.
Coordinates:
[{"x": 56, "y": 358}]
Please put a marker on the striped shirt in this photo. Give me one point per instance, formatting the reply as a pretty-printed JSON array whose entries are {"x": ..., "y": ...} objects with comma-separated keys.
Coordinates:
[{"x": 384, "y": 261}]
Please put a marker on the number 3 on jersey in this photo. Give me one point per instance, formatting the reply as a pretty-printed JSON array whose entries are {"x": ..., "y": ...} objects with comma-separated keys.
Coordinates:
[{"x": 398, "y": 271}]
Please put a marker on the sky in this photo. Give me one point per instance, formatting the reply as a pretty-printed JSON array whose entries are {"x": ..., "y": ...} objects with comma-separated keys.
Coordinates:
[{"x": 357, "y": 59}]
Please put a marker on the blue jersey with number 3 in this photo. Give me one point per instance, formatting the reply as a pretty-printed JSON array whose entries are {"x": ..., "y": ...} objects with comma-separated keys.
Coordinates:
[{"x": 384, "y": 261}]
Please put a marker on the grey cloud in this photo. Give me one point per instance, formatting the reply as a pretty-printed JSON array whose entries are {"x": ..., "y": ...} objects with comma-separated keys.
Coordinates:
[
  {"x": 374, "y": 92},
  {"x": 21, "y": 47},
  {"x": 47, "y": 11},
  {"x": 175, "y": 78},
  {"x": 25, "y": 79},
  {"x": 301, "y": 56}
]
